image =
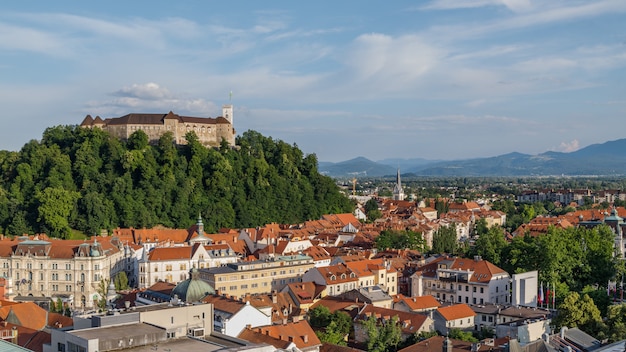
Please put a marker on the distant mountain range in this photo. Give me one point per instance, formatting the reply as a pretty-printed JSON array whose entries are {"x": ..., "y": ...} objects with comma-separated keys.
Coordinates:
[{"x": 606, "y": 159}]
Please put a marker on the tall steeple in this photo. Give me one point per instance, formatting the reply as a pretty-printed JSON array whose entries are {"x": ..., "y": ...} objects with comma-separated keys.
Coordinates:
[
  {"x": 201, "y": 238},
  {"x": 398, "y": 193}
]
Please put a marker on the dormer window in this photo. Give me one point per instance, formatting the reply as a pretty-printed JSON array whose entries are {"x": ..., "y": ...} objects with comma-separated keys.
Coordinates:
[
  {"x": 343, "y": 276},
  {"x": 333, "y": 278}
]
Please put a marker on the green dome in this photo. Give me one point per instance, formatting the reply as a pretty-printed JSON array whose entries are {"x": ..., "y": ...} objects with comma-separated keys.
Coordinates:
[{"x": 192, "y": 289}]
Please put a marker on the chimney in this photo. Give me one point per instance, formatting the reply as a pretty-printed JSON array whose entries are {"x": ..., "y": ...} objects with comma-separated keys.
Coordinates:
[
  {"x": 274, "y": 297},
  {"x": 248, "y": 326},
  {"x": 305, "y": 338},
  {"x": 295, "y": 319}
]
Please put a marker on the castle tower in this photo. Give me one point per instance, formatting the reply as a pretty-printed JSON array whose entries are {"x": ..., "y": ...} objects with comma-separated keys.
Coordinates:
[
  {"x": 227, "y": 112},
  {"x": 398, "y": 193}
]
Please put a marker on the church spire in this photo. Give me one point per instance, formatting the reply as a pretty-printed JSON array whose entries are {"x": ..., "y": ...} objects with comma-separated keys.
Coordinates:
[{"x": 398, "y": 193}]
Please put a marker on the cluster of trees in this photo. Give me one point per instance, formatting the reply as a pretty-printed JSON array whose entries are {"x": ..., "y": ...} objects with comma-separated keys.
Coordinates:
[
  {"x": 580, "y": 311},
  {"x": 330, "y": 327},
  {"x": 77, "y": 178},
  {"x": 572, "y": 259}
]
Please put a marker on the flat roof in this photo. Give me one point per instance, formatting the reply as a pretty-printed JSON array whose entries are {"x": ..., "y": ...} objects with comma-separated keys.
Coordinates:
[{"x": 110, "y": 332}]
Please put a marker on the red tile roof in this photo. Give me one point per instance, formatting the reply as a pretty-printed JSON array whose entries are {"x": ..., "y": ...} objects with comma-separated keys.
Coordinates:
[
  {"x": 300, "y": 333},
  {"x": 420, "y": 303},
  {"x": 457, "y": 311}
]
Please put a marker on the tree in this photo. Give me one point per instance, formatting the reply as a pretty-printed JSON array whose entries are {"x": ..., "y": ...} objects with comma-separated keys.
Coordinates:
[
  {"x": 121, "y": 281},
  {"x": 581, "y": 313},
  {"x": 400, "y": 240},
  {"x": 319, "y": 316},
  {"x": 459, "y": 334},
  {"x": 616, "y": 322},
  {"x": 384, "y": 336},
  {"x": 332, "y": 335},
  {"x": 102, "y": 293},
  {"x": 55, "y": 207},
  {"x": 444, "y": 240},
  {"x": 490, "y": 245},
  {"x": 138, "y": 140}
]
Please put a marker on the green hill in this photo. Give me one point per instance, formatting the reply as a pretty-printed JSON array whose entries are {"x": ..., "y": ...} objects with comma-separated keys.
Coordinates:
[{"x": 76, "y": 178}]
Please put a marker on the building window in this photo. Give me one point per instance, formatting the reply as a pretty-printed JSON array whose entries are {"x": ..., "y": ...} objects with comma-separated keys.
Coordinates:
[
  {"x": 474, "y": 289},
  {"x": 482, "y": 290}
]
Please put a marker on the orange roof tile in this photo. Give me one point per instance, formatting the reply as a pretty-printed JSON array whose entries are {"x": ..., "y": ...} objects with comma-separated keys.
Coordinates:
[
  {"x": 457, "y": 311},
  {"x": 422, "y": 302},
  {"x": 300, "y": 333}
]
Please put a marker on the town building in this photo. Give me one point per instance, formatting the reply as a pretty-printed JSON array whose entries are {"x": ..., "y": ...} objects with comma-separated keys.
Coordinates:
[
  {"x": 289, "y": 336},
  {"x": 457, "y": 316},
  {"x": 410, "y": 323},
  {"x": 70, "y": 270},
  {"x": 153, "y": 325},
  {"x": 462, "y": 280},
  {"x": 336, "y": 278},
  {"x": 210, "y": 131},
  {"x": 257, "y": 277},
  {"x": 231, "y": 316}
]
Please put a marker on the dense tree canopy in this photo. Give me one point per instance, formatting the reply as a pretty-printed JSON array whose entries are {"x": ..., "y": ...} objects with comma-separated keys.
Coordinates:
[{"x": 77, "y": 178}]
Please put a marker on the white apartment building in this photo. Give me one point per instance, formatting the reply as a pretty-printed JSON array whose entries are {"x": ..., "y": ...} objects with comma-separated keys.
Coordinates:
[
  {"x": 462, "y": 280},
  {"x": 172, "y": 264}
]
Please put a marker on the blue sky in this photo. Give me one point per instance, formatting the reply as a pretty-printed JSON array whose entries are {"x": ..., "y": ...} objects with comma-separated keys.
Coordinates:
[{"x": 440, "y": 79}]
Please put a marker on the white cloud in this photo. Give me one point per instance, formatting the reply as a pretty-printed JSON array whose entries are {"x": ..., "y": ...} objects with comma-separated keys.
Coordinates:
[
  {"x": 568, "y": 147},
  {"x": 148, "y": 91},
  {"x": 513, "y": 5}
]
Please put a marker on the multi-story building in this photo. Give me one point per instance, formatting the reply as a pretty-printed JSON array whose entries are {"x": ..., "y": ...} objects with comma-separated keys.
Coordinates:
[
  {"x": 462, "y": 280},
  {"x": 375, "y": 272},
  {"x": 71, "y": 270},
  {"x": 210, "y": 131},
  {"x": 257, "y": 277},
  {"x": 337, "y": 279},
  {"x": 172, "y": 264}
]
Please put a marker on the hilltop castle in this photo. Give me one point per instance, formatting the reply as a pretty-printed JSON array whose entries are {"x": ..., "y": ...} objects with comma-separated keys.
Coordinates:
[{"x": 210, "y": 131}]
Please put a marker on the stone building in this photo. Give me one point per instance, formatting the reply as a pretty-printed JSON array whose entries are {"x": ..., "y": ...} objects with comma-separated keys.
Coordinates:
[
  {"x": 210, "y": 131},
  {"x": 70, "y": 270}
]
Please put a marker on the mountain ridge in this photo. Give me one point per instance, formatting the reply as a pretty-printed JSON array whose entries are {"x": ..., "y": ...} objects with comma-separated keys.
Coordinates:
[{"x": 600, "y": 159}]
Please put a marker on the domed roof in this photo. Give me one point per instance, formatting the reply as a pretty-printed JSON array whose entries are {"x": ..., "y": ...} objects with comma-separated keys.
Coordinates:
[{"x": 192, "y": 289}]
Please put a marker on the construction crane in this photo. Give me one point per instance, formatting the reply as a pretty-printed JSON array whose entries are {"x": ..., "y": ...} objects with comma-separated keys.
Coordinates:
[{"x": 354, "y": 186}]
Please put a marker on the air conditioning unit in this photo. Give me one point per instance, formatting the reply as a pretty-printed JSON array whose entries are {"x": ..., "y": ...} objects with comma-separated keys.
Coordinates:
[{"x": 195, "y": 332}]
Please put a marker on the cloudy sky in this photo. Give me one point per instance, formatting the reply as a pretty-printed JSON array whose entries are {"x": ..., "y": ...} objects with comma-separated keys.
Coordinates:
[{"x": 440, "y": 79}]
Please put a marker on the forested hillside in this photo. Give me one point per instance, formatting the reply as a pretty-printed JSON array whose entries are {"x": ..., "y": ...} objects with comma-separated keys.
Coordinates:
[{"x": 76, "y": 178}]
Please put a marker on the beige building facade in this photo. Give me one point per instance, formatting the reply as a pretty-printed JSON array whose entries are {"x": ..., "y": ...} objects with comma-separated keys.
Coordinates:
[
  {"x": 70, "y": 270},
  {"x": 257, "y": 277},
  {"x": 210, "y": 131}
]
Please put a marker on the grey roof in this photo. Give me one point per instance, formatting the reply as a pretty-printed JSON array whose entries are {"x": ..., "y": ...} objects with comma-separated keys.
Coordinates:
[{"x": 582, "y": 339}]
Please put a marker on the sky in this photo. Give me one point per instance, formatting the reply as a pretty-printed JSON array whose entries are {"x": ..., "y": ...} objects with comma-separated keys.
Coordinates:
[{"x": 438, "y": 79}]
